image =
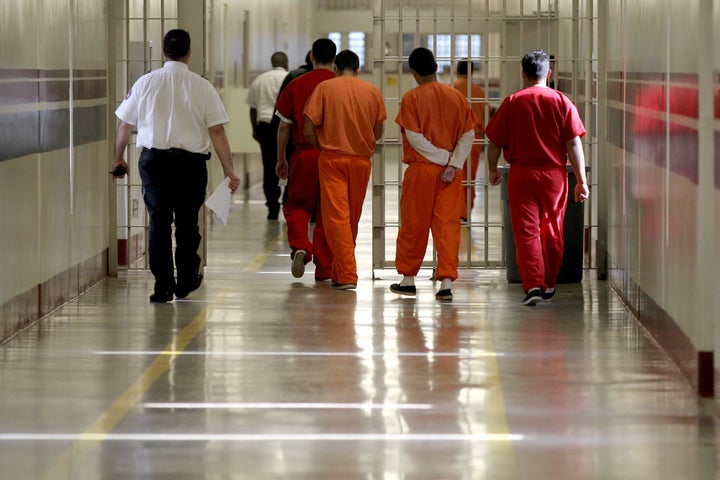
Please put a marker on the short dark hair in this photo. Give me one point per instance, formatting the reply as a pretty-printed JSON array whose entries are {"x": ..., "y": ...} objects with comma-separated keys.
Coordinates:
[
  {"x": 176, "y": 44},
  {"x": 463, "y": 67},
  {"x": 423, "y": 61},
  {"x": 536, "y": 64},
  {"x": 279, "y": 59},
  {"x": 347, "y": 60},
  {"x": 324, "y": 49}
]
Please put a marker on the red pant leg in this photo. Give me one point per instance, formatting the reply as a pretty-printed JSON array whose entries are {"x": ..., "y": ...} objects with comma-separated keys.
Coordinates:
[
  {"x": 537, "y": 201},
  {"x": 303, "y": 194}
]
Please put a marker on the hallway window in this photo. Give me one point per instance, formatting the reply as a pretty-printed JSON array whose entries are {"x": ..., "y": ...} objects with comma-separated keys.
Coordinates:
[
  {"x": 463, "y": 48},
  {"x": 356, "y": 43},
  {"x": 337, "y": 38}
]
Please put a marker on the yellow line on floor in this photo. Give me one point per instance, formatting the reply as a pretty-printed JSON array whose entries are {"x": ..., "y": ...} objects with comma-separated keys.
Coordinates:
[
  {"x": 261, "y": 257},
  {"x": 496, "y": 420},
  {"x": 90, "y": 439}
]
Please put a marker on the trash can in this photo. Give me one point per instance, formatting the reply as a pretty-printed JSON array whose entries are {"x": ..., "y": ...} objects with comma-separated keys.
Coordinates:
[{"x": 571, "y": 270}]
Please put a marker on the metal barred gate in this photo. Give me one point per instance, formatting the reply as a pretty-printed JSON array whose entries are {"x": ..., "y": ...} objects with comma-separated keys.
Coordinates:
[{"x": 493, "y": 35}]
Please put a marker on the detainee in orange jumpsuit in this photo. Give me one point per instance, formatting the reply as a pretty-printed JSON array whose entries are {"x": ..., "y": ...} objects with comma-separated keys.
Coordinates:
[
  {"x": 476, "y": 96},
  {"x": 438, "y": 128},
  {"x": 302, "y": 173},
  {"x": 344, "y": 117}
]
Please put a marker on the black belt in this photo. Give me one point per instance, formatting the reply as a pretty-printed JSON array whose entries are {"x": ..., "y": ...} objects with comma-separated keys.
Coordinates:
[{"x": 180, "y": 151}]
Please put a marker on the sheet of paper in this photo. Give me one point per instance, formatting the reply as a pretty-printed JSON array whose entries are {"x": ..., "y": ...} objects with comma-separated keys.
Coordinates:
[{"x": 219, "y": 201}]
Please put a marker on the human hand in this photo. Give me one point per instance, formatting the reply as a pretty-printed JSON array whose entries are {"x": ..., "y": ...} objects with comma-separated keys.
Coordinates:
[
  {"x": 448, "y": 174},
  {"x": 234, "y": 182},
  {"x": 581, "y": 192},
  {"x": 494, "y": 177},
  {"x": 281, "y": 168},
  {"x": 119, "y": 168}
]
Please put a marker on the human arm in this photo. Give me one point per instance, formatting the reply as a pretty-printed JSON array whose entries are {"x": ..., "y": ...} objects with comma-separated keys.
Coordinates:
[
  {"x": 577, "y": 160},
  {"x": 458, "y": 156},
  {"x": 122, "y": 137},
  {"x": 309, "y": 132},
  {"x": 493, "y": 157},
  {"x": 222, "y": 149},
  {"x": 253, "y": 123},
  {"x": 378, "y": 130},
  {"x": 283, "y": 135},
  {"x": 462, "y": 149},
  {"x": 425, "y": 148}
]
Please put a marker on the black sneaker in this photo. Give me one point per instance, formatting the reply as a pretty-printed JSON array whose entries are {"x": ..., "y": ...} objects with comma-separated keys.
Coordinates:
[
  {"x": 403, "y": 289},
  {"x": 183, "y": 290},
  {"x": 444, "y": 295},
  {"x": 161, "y": 297},
  {"x": 548, "y": 294},
  {"x": 534, "y": 295}
]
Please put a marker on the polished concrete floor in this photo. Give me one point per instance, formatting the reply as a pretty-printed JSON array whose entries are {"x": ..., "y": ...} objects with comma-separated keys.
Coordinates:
[{"x": 259, "y": 375}]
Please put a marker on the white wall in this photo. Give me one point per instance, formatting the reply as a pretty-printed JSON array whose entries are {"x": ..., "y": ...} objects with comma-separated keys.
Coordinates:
[{"x": 54, "y": 193}]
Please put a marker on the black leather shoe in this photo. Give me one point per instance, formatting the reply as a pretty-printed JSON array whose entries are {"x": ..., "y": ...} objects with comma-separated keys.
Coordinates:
[
  {"x": 444, "y": 295},
  {"x": 403, "y": 289},
  {"x": 161, "y": 297},
  {"x": 183, "y": 291}
]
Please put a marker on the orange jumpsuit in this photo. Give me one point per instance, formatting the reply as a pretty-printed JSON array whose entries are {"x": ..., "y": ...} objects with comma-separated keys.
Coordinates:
[
  {"x": 344, "y": 110},
  {"x": 442, "y": 115},
  {"x": 478, "y": 108}
]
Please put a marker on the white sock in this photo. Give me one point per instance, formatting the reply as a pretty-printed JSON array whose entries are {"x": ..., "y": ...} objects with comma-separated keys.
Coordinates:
[
  {"x": 446, "y": 284},
  {"x": 549, "y": 290},
  {"x": 407, "y": 281}
]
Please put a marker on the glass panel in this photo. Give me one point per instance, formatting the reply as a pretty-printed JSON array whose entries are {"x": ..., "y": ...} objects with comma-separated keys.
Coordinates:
[
  {"x": 171, "y": 9},
  {"x": 356, "y": 43},
  {"x": 337, "y": 38},
  {"x": 154, "y": 8}
]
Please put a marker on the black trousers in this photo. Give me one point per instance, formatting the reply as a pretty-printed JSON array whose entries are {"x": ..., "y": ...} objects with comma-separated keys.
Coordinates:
[
  {"x": 174, "y": 184},
  {"x": 267, "y": 135}
]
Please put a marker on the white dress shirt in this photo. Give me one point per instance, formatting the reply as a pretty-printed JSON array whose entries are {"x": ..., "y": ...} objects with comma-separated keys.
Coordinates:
[
  {"x": 173, "y": 107},
  {"x": 264, "y": 91}
]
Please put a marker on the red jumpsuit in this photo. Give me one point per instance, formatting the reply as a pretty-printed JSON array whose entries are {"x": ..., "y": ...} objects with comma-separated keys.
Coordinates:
[
  {"x": 303, "y": 184},
  {"x": 344, "y": 111},
  {"x": 478, "y": 108},
  {"x": 532, "y": 126},
  {"x": 442, "y": 115}
]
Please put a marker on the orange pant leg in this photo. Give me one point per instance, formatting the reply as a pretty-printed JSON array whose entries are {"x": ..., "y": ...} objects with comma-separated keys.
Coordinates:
[
  {"x": 343, "y": 184},
  {"x": 473, "y": 163},
  {"x": 427, "y": 204},
  {"x": 416, "y": 212},
  {"x": 445, "y": 228}
]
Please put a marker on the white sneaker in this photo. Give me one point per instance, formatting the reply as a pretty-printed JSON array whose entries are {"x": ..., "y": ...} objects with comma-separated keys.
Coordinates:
[{"x": 298, "y": 264}]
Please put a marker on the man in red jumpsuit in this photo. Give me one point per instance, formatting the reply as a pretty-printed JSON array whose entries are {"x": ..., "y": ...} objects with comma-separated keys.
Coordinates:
[
  {"x": 438, "y": 128},
  {"x": 303, "y": 184},
  {"x": 539, "y": 130},
  {"x": 344, "y": 117}
]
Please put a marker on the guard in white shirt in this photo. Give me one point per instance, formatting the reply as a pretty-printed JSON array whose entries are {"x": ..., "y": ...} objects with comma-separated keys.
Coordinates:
[
  {"x": 261, "y": 98},
  {"x": 177, "y": 114}
]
